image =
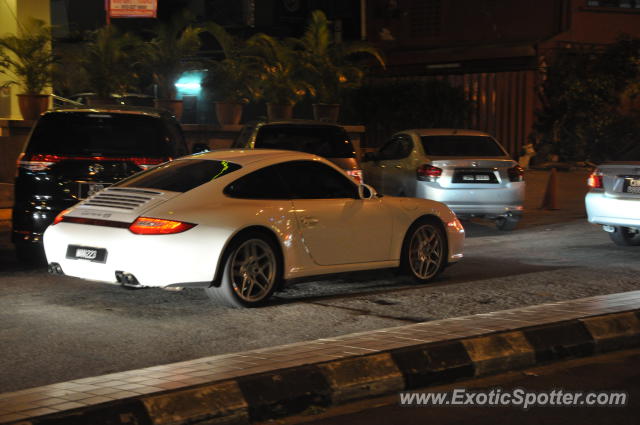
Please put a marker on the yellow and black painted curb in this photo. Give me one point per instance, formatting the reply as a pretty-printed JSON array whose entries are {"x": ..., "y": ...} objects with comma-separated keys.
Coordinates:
[{"x": 280, "y": 393}]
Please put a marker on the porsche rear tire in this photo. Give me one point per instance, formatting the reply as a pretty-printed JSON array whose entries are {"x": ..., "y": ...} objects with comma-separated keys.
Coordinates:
[{"x": 252, "y": 271}]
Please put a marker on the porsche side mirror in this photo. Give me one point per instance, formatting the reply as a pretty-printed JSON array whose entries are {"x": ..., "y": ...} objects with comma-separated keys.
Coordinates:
[{"x": 366, "y": 192}]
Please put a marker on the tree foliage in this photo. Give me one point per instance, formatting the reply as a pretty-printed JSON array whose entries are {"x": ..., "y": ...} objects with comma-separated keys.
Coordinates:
[
  {"x": 27, "y": 58},
  {"x": 581, "y": 116},
  {"x": 387, "y": 107}
]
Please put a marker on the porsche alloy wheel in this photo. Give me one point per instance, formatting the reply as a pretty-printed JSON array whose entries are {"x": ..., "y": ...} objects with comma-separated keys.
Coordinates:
[
  {"x": 424, "y": 250},
  {"x": 250, "y": 274}
]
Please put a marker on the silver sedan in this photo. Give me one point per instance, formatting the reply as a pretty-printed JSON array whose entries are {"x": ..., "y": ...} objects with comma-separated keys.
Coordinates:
[
  {"x": 467, "y": 170},
  {"x": 614, "y": 201}
]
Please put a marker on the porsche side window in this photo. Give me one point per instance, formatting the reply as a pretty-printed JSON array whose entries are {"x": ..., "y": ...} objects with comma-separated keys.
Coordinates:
[
  {"x": 314, "y": 180},
  {"x": 180, "y": 176},
  {"x": 262, "y": 184}
]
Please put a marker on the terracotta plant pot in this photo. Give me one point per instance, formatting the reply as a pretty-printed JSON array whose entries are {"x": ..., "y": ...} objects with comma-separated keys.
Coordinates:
[
  {"x": 32, "y": 105},
  {"x": 326, "y": 112},
  {"x": 276, "y": 111},
  {"x": 228, "y": 113},
  {"x": 172, "y": 105}
]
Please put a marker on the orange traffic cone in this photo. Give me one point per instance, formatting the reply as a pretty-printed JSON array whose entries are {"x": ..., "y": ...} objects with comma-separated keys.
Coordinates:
[{"x": 550, "y": 200}]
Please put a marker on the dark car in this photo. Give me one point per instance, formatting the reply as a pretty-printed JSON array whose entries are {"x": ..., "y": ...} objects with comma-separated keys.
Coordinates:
[
  {"x": 73, "y": 153},
  {"x": 316, "y": 137}
]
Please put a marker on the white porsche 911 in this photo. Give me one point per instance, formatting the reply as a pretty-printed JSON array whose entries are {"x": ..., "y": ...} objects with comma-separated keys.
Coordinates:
[{"x": 240, "y": 223}]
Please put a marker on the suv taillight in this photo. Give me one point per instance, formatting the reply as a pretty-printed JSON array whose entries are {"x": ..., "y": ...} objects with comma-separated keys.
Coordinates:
[
  {"x": 39, "y": 162},
  {"x": 595, "y": 180},
  {"x": 516, "y": 174},
  {"x": 428, "y": 172},
  {"x": 356, "y": 175}
]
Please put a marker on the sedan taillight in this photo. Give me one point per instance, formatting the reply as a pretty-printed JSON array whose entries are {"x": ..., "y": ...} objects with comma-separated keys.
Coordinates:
[
  {"x": 595, "y": 180},
  {"x": 428, "y": 172},
  {"x": 158, "y": 226},
  {"x": 356, "y": 175},
  {"x": 40, "y": 162},
  {"x": 516, "y": 174}
]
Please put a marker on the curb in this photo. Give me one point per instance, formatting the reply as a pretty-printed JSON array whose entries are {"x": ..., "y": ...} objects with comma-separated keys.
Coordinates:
[{"x": 307, "y": 388}]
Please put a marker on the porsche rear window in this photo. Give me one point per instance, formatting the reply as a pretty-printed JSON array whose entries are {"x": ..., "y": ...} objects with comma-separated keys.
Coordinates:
[
  {"x": 461, "y": 146},
  {"x": 181, "y": 175}
]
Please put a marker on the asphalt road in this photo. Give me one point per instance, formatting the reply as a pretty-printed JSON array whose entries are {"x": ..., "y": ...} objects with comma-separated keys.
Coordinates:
[
  {"x": 56, "y": 328},
  {"x": 615, "y": 372}
]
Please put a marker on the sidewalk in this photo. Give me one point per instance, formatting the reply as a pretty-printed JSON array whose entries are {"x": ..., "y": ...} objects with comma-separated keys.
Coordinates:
[{"x": 267, "y": 384}]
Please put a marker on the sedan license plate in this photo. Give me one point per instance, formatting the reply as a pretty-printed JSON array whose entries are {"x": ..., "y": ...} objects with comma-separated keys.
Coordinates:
[
  {"x": 632, "y": 185},
  {"x": 77, "y": 252},
  {"x": 86, "y": 190}
]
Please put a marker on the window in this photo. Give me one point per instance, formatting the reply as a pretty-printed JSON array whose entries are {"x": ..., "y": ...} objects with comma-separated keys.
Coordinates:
[
  {"x": 262, "y": 184},
  {"x": 327, "y": 141},
  {"x": 626, "y": 4},
  {"x": 180, "y": 176},
  {"x": 314, "y": 180},
  {"x": 461, "y": 146},
  {"x": 397, "y": 148},
  {"x": 100, "y": 134}
]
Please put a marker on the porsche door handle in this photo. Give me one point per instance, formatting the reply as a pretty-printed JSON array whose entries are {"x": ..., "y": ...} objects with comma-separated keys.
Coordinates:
[{"x": 309, "y": 221}]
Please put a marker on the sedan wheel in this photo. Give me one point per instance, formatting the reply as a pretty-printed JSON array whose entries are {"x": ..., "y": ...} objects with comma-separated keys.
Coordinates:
[
  {"x": 250, "y": 274},
  {"x": 424, "y": 251},
  {"x": 625, "y": 236}
]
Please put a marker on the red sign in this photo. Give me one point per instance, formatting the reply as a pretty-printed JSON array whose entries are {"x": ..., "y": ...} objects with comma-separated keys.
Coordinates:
[{"x": 132, "y": 8}]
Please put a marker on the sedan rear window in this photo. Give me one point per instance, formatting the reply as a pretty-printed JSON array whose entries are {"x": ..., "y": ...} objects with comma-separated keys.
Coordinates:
[
  {"x": 473, "y": 146},
  {"x": 181, "y": 175},
  {"x": 99, "y": 134},
  {"x": 327, "y": 141}
]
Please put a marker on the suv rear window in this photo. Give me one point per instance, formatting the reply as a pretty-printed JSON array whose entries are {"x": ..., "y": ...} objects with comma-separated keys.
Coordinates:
[
  {"x": 99, "y": 134},
  {"x": 326, "y": 141},
  {"x": 461, "y": 146},
  {"x": 180, "y": 175}
]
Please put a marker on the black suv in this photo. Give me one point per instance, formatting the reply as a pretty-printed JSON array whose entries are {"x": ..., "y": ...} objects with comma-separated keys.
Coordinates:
[
  {"x": 73, "y": 153},
  {"x": 316, "y": 137}
]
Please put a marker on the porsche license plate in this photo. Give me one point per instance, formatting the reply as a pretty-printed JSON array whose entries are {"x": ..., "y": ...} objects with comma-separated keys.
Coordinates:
[{"x": 77, "y": 252}]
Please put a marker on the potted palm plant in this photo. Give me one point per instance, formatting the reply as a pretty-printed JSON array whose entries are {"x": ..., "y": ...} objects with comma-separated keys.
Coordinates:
[
  {"x": 281, "y": 81},
  {"x": 168, "y": 54},
  {"x": 27, "y": 59},
  {"x": 332, "y": 67},
  {"x": 231, "y": 81},
  {"x": 109, "y": 61}
]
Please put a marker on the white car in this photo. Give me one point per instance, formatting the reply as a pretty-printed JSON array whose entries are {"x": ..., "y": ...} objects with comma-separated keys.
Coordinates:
[
  {"x": 614, "y": 201},
  {"x": 466, "y": 169},
  {"x": 240, "y": 223}
]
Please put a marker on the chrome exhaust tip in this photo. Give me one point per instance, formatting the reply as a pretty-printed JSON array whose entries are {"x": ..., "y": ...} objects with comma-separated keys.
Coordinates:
[
  {"x": 127, "y": 279},
  {"x": 54, "y": 268}
]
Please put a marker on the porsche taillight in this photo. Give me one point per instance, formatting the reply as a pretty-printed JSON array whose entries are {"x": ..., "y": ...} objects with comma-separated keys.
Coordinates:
[
  {"x": 60, "y": 216},
  {"x": 158, "y": 226}
]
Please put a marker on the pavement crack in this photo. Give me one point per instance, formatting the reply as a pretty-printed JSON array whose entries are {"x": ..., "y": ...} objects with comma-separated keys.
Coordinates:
[{"x": 364, "y": 312}]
